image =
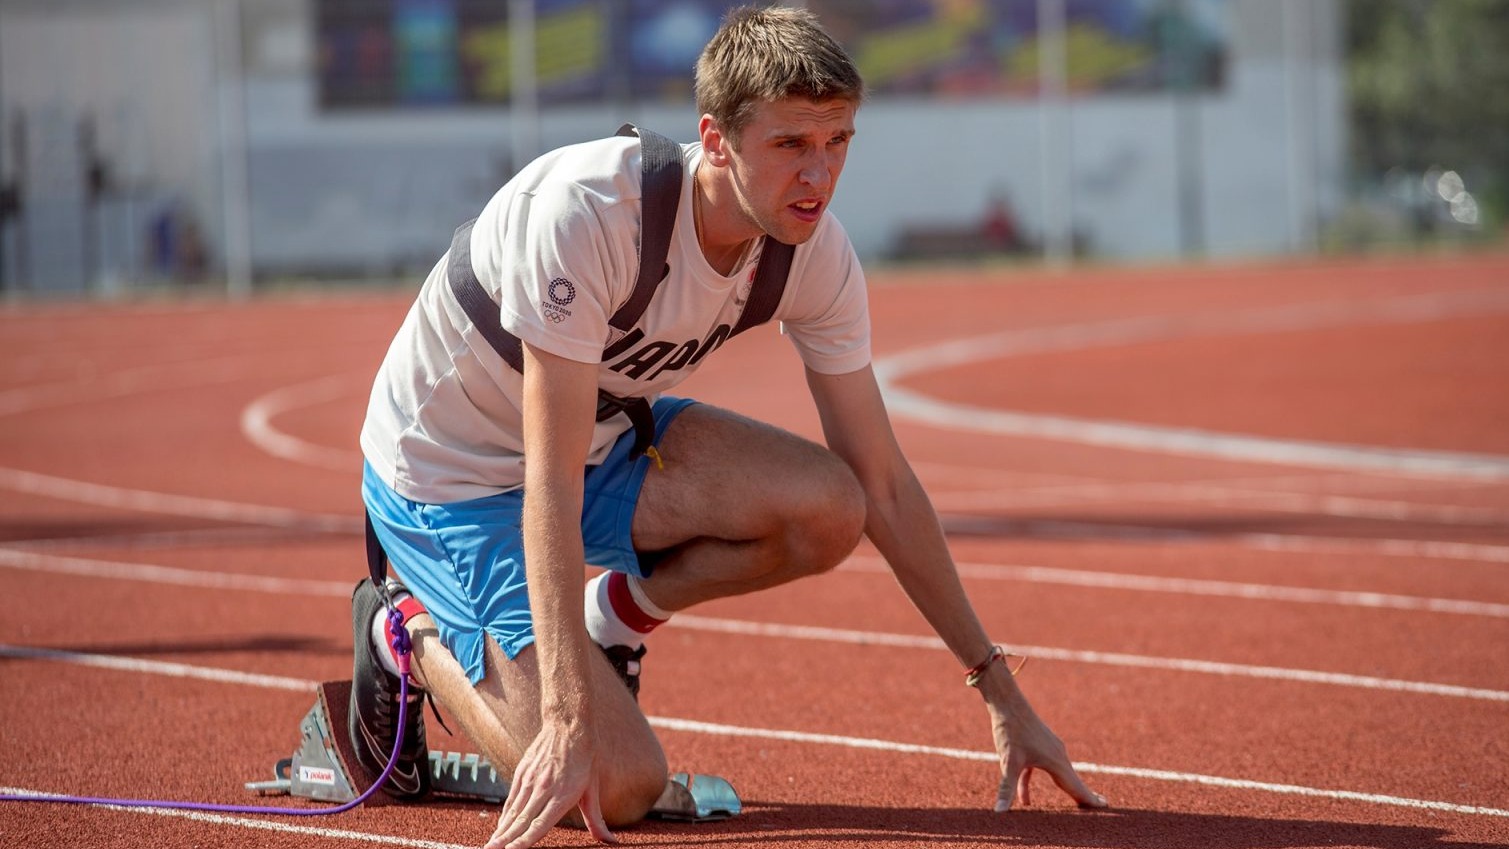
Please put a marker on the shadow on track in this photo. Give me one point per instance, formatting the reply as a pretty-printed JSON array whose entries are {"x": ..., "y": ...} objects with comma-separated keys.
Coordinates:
[
  {"x": 260, "y": 644},
  {"x": 852, "y": 825}
]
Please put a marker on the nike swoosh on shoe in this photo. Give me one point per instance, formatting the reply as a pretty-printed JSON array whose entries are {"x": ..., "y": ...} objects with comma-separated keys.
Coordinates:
[{"x": 406, "y": 776}]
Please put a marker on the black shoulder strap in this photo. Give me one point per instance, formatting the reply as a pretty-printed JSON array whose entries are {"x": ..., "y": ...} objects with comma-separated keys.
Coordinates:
[
  {"x": 769, "y": 284},
  {"x": 661, "y": 169},
  {"x": 377, "y": 559},
  {"x": 486, "y": 314}
]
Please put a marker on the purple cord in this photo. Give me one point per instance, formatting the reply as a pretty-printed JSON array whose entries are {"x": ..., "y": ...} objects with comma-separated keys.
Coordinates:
[{"x": 401, "y": 645}]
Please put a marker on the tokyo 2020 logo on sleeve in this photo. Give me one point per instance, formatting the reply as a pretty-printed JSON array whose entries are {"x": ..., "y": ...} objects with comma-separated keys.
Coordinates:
[{"x": 561, "y": 292}]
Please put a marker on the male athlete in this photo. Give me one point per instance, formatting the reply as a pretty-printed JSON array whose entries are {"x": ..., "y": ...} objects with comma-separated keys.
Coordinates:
[{"x": 490, "y": 484}]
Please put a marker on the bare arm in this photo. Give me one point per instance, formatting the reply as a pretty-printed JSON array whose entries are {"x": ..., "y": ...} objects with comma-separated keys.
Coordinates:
[
  {"x": 902, "y": 524},
  {"x": 558, "y": 770}
]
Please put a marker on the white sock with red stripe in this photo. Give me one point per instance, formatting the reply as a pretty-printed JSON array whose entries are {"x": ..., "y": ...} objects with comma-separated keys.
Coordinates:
[
  {"x": 410, "y": 607},
  {"x": 618, "y": 613}
]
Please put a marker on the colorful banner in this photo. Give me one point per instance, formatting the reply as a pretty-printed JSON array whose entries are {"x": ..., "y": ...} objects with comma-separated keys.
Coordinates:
[
  {"x": 955, "y": 48},
  {"x": 387, "y": 53}
]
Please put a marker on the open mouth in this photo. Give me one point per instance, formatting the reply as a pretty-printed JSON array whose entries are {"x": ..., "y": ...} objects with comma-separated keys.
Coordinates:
[{"x": 807, "y": 210}]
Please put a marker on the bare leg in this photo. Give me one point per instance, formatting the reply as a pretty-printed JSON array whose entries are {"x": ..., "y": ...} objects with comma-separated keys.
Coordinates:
[
  {"x": 742, "y": 506},
  {"x": 501, "y": 716}
]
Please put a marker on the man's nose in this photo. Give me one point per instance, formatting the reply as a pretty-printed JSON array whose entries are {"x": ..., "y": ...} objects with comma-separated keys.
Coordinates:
[{"x": 817, "y": 169}]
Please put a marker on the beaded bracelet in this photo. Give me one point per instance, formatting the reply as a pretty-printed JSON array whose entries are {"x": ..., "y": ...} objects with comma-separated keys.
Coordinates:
[{"x": 977, "y": 672}]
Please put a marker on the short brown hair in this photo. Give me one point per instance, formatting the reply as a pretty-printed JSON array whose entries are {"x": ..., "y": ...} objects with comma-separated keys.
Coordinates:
[{"x": 765, "y": 54}]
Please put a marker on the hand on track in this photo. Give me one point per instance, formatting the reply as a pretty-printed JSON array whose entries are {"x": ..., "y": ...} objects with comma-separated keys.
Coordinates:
[
  {"x": 558, "y": 772},
  {"x": 1024, "y": 743}
]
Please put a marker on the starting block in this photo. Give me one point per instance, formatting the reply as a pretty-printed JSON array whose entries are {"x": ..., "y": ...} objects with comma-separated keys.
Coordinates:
[{"x": 319, "y": 770}]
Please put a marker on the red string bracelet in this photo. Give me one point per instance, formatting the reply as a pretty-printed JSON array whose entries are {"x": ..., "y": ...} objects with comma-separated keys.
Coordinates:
[{"x": 977, "y": 672}]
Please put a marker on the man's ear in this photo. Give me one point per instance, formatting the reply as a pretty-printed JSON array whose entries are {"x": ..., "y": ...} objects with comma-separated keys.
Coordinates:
[{"x": 715, "y": 145}]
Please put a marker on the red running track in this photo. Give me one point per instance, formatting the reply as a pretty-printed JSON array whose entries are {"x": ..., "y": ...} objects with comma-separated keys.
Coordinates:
[{"x": 1251, "y": 522}]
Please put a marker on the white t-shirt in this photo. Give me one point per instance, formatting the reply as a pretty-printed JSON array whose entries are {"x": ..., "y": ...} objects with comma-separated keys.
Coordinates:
[{"x": 558, "y": 247}]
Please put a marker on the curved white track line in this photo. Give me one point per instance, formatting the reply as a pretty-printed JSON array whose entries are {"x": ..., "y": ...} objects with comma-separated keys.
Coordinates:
[
  {"x": 257, "y": 426},
  {"x": 718, "y": 729},
  {"x": 1194, "y": 443},
  {"x": 1188, "y": 441},
  {"x": 162, "y": 377}
]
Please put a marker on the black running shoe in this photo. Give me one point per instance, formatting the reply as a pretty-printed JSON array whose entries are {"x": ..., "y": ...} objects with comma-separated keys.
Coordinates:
[
  {"x": 626, "y": 663},
  {"x": 372, "y": 721}
]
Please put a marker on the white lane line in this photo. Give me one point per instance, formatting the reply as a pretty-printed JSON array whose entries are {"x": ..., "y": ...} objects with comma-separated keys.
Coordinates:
[
  {"x": 920, "y": 407},
  {"x": 1413, "y": 549},
  {"x": 1191, "y": 442},
  {"x": 1309, "y": 504},
  {"x": 1201, "y": 587},
  {"x": 187, "y": 577},
  {"x": 1408, "y": 548},
  {"x": 42, "y": 562},
  {"x": 1305, "y": 543},
  {"x": 219, "y": 536},
  {"x": 261, "y": 824},
  {"x": 152, "y": 573},
  {"x": 1314, "y": 482},
  {"x": 1173, "y": 664},
  {"x": 125, "y": 498},
  {"x": 159, "y": 667},
  {"x": 102, "y": 495},
  {"x": 870, "y": 743},
  {"x": 718, "y": 729},
  {"x": 257, "y": 423}
]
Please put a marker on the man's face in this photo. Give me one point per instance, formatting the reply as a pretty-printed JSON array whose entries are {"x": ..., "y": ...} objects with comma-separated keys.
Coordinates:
[{"x": 787, "y": 162}]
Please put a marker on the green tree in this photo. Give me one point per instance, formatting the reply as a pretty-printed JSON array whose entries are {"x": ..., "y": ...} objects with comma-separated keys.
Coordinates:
[{"x": 1428, "y": 84}]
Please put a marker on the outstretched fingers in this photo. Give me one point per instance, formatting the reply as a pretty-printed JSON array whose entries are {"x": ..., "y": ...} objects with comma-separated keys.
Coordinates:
[
  {"x": 525, "y": 828},
  {"x": 536, "y": 802},
  {"x": 543, "y": 790},
  {"x": 592, "y": 815},
  {"x": 530, "y": 812},
  {"x": 1016, "y": 783},
  {"x": 1024, "y": 743},
  {"x": 1068, "y": 780},
  {"x": 525, "y": 823}
]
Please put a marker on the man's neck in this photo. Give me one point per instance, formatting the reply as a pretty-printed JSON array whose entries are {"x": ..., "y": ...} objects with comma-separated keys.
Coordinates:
[{"x": 725, "y": 255}]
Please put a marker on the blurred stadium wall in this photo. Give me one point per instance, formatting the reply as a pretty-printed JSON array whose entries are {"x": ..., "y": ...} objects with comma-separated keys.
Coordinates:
[{"x": 236, "y": 142}]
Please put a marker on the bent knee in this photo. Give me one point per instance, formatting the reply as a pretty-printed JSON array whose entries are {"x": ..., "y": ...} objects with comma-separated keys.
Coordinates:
[
  {"x": 631, "y": 796},
  {"x": 829, "y": 523}
]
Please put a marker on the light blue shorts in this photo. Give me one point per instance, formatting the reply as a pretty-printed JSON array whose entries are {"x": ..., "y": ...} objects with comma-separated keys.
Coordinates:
[{"x": 464, "y": 561}]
